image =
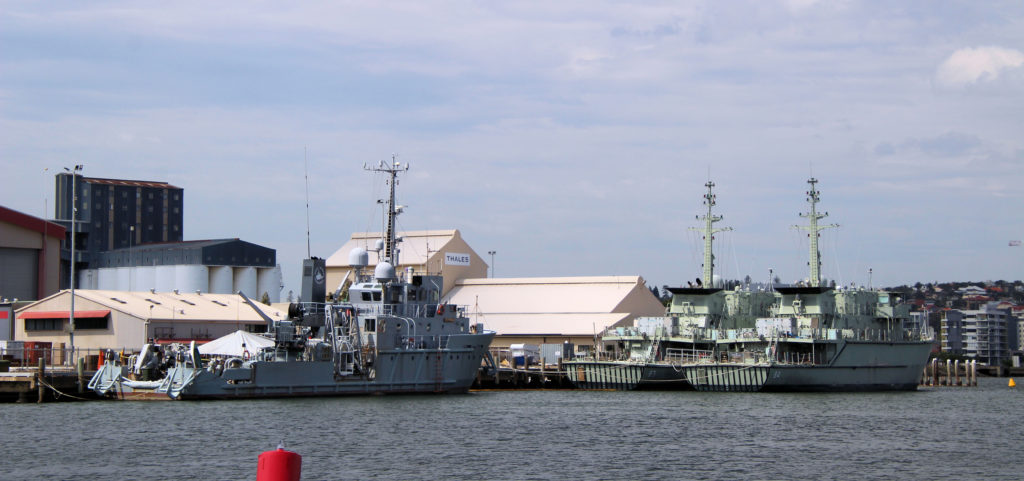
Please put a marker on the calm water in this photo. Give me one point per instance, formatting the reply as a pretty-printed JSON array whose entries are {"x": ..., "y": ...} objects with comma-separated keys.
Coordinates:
[{"x": 939, "y": 433}]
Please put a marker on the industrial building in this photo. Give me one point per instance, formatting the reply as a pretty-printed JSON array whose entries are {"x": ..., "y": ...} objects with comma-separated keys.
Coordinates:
[
  {"x": 540, "y": 310},
  {"x": 128, "y": 320},
  {"x": 435, "y": 252},
  {"x": 29, "y": 256},
  {"x": 545, "y": 310},
  {"x": 115, "y": 213},
  {"x": 220, "y": 266}
]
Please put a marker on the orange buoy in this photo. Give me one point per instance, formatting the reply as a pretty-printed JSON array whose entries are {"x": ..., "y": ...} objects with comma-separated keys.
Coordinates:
[
  {"x": 99, "y": 363},
  {"x": 279, "y": 465},
  {"x": 1011, "y": 383}
]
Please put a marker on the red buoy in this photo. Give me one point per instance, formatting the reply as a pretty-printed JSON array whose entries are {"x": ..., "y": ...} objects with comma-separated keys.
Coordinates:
[{"x": 279, "y": 465}]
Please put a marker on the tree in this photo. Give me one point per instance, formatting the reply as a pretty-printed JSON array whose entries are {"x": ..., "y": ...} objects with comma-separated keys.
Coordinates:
[{"x": 265, "y": 299}]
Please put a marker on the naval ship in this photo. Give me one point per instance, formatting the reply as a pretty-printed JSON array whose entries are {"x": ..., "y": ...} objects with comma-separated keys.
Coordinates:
[
  {"x": 806, "y": 337},
  {"x": 395, "y": 334}
]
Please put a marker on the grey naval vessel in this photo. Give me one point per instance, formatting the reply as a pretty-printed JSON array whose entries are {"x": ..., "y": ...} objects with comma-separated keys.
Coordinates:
[
  {"x": 806, "y": 337},
  {"x": 395, "y": 334}
]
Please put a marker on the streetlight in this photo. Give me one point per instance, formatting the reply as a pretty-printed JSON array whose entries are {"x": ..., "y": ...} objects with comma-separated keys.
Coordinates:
[
  {"x": 131, "y": 266},
  {"x": 74, "y": 231},
  {"x": 492, "y": 262}
]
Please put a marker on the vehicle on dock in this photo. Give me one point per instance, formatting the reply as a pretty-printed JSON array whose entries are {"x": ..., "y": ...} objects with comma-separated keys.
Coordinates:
[{"x": 394, "y": 335}]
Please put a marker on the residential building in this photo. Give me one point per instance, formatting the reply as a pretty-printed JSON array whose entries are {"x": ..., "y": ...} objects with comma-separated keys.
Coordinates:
[{"x": 981, "y": 334}]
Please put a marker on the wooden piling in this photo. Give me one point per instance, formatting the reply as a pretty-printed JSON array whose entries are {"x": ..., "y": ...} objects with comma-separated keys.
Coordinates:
[
  {"x": 956, "y": 371},
  {"x": 949, "y": 364},
  {"x": 39, "y": 379},
  {"x": 935, "y": 372},
  {"x": 80, "y": 367}
]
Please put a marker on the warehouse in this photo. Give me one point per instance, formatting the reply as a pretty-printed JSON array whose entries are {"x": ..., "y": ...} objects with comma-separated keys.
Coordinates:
[
  {"x": 128, "y": 320},
  {"x": 435, "y": 252},
  {"x": 29, "y": 256},
  {"x": 546, "y": 310}
]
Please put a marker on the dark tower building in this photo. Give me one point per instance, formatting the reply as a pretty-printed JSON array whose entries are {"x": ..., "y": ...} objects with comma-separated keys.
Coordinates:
[{"x": 115, "y": 213}]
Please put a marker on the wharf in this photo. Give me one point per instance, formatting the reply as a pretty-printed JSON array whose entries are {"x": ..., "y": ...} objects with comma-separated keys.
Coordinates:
[
  {"x": 503, "y": 372},
  {"x": 54, "y": 383}
]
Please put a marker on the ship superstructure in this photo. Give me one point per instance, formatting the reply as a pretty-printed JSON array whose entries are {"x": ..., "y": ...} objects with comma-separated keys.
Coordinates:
[{"x": 394, "y": 334}]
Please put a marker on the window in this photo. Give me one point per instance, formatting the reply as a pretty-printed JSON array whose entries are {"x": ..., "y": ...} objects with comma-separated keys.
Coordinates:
[
  {"x": 91, "y": 323},
  {"x": 46, "y": 324},
  {"x": 366, "y": 296},
  {"x": 376, "y": 295},
  {"x": 370, "y": 325}
]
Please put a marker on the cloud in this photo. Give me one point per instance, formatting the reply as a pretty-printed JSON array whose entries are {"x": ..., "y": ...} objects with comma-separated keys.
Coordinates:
[{"x": 969, "y": 66}]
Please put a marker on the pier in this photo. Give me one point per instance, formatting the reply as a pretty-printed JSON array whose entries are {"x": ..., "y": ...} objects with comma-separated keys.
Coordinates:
[
  {"x": 508, "y": 372},
  {"x": 45, "y": 383},
  {"x": 950, "y": 373}
]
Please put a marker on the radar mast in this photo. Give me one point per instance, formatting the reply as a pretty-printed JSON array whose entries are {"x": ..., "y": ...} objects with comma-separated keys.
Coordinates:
[
  {"x": 390, "y": 254},
  {"x": 709, "y": 234},
  {"x": 813, "y": 197}
]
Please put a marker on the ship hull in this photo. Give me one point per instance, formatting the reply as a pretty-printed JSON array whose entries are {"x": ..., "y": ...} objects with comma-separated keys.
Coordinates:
[
  {"x": 625, "y": 376},
  {"x": 445, "y": 371},
  {"x": 859, "y": 366}
]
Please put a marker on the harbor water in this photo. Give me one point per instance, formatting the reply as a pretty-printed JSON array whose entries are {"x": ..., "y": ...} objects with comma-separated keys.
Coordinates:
[{"x": 933, "y": 433}]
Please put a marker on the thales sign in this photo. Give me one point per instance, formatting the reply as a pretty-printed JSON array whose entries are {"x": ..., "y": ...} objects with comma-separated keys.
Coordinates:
[{"x": 455, "y": 259}]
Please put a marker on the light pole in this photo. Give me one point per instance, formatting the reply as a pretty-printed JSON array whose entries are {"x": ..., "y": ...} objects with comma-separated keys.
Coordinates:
[
  {"x": 74, "y": 230},
  {"x": 131, "y": 266},
  {"x": 492, "y": 262}
]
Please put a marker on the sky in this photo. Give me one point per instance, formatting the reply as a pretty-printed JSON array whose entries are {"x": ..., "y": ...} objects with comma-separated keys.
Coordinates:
[{"x": 573, "y": 138}]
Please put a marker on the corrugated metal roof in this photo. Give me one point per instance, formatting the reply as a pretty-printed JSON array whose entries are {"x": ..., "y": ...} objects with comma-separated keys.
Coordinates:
[
  {"x": 544, "y": 295},
  {"x": 415, "y": 248},
  {"x": 168, "y": 305},
  {"x": 552, "y": 305},
  {"x": 549, "y": 324}
]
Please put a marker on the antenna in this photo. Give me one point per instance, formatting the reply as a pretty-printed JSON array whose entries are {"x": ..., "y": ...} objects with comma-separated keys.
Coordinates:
[
  {"x": 813, "y": 197},
  {"x": 709, "y": 233},
  {"x": 305, "y": 161}
]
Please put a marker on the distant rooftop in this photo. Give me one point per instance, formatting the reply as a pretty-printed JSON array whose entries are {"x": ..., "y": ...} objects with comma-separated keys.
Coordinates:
[{"x": 130, "y": 183}]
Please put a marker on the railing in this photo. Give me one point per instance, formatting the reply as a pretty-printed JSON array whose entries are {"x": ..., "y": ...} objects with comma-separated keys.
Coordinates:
[{"x": 30, "y": 354}]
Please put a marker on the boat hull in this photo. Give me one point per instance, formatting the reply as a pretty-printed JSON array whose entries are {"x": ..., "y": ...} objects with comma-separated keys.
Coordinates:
[
  {"x": 404, "y": 371},
  {"x": 859, "y": 366},
  {"x": 625, "y": 376}
]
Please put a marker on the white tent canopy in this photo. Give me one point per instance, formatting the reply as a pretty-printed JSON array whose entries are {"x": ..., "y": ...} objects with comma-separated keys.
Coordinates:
[{"x": 232, "y": 344}]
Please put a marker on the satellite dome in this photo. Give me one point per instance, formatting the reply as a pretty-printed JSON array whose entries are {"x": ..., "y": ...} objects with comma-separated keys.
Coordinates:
[
  {"x": 358, "y": 257},
  {"x": 384, "y": 271},
  {"x": 379, "y": 245}
]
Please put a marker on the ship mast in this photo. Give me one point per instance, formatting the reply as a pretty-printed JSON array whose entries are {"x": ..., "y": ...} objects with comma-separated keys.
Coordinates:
[
  {"x": 813, "y": 197},
  {"x": 709, "y": 234},
  {"x": 390, "y": 254}
]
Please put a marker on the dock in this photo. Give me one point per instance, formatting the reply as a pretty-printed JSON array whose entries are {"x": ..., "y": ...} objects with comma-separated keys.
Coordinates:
[
  {"x": 502, "y": 371},
  {"x": 45, "y": 383}
]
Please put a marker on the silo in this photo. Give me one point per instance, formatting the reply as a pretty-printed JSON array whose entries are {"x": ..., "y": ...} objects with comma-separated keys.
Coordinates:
[
  {"x": 124, "y": 277},
  {"x": 87, "y": 279},
  {"x": 245, "y": 281},
  {"x": 165, "y": 278},
  {"x": 269, "y": 281},
  {"x": 106, "y": 279},
  {"x": 191, "y": 278},
  {"x": 144, "y": 278},
  {"x": 221, "y": 279}
]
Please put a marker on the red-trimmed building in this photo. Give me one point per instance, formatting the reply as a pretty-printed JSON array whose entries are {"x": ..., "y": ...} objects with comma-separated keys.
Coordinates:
[{"x": 29, "y": 256}]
